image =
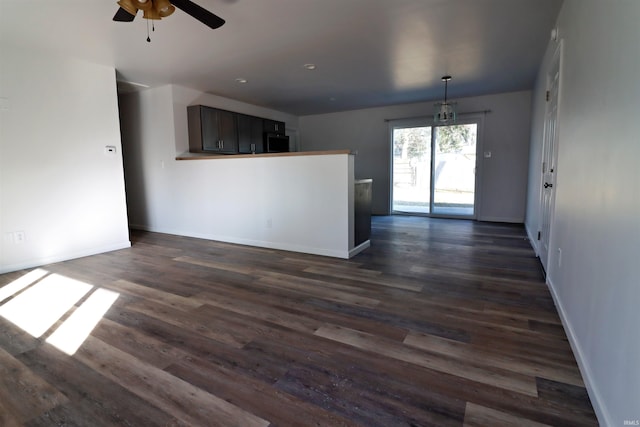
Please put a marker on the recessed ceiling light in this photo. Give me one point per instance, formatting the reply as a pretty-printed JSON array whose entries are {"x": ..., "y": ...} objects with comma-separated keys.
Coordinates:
[
  {"x": 241, "y": 80},
  {"x": 310, "y": 66}
]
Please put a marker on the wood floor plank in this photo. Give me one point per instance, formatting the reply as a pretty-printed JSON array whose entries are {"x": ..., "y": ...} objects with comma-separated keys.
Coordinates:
[
  {"x": 479, "y": 416},
  {"x": 184, "y": 401},
  {"x": 346, "y": 380},
  {"x": 151, "y": 293},
  {"x": 369, "y": 276},
  {"x": 259, "y": 398},
  {"x": 23, "y": 392},
  {"x": 329, "y": 294},
  {"x": 138, "y": 344},
  {"x": 243, "y": 269},
  {"x": 281, "y": 309},
  {"x": 221, "y": 331},
  {"x": 8, "y": 416},
  {"x": 516, "y": 382},
  {"x": 462, "y": 351},
  {"x": 93, "y": 399},
  {"x": 260, "y": 311},
  {"x": 15, "y": 340},
  {"x": 197, "y": 345}
]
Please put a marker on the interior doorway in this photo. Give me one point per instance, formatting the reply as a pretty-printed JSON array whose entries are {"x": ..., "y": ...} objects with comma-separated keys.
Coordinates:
[
  {"x": 549, "y": 160},
  {"x": 434, "y": 168}
]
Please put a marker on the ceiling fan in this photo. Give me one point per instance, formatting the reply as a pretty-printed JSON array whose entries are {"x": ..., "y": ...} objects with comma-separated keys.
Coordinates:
[{"x": 158, "y": 9}]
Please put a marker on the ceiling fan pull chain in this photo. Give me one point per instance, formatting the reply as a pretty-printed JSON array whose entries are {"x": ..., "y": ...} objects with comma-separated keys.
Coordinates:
[{"x": 148, "y": 38}]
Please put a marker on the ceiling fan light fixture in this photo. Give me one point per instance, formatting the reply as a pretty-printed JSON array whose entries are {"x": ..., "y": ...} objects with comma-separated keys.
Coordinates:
[
  {"x": 144, "y": 5},
  {"x": 164, "y": 8},
  {"x": 445, "y": 112},
  {"x": 158, "y": 9},
  {"x": 129, "y": 6},
  {"x": 152, "y": 13}
]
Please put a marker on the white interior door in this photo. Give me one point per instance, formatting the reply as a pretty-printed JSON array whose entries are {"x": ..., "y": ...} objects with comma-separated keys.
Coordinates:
[{"x": 549, "y": 165}]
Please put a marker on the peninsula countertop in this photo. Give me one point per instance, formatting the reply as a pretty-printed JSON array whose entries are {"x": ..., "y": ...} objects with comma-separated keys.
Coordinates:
[{"x": 209, "y": 156}]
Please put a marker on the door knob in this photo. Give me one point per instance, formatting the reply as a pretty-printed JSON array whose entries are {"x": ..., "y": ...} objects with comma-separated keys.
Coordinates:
[{"x": 547, "y": 185}]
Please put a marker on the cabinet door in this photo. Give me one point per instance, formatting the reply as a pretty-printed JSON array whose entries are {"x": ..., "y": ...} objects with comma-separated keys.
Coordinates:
[
  {"x": 209, "y": 128},
  {"x": 227, "y": 132},
  {"x": 272, "y": 126},
  {"x": 250, "y": 134}
]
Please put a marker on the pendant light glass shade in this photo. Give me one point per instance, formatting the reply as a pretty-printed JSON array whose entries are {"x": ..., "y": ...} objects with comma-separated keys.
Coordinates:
[
  {"x": 144, "y": 5},
  {"x": 445, "y": 112},
  {"x": 163, "y": 7}
]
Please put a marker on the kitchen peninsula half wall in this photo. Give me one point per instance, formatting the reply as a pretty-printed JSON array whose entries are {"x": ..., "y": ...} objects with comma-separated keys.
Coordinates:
[{"x": 302, "y": 201}]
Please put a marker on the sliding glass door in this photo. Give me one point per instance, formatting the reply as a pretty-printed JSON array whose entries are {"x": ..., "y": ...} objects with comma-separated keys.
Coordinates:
[
  {"x": 434, "y": 168},
  {"x": 411, "y": 169}
]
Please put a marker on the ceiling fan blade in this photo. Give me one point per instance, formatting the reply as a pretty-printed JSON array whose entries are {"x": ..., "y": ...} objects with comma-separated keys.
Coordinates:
[
  {"x": 123, "y": 16},
  {"x": 200, "y": 13}
]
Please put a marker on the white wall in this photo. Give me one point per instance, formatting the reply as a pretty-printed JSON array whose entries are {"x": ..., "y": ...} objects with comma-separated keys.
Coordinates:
[
  {"x": 299, "y": 203},
  {"x": 57, "y": 184},
  {"x": 506, "y": 135},
  {"x": 596, "y": 221}
]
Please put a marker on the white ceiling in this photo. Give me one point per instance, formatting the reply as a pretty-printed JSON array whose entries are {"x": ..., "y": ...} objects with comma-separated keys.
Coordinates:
[{"x": 367, "y": 52}]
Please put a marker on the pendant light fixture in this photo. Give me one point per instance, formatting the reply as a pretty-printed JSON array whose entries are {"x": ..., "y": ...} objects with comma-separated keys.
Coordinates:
[{"x": 445, "y": 112}]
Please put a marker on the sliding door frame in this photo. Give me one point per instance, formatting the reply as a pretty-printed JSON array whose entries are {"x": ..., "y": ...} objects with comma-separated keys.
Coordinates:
[{"x": 427, "y": 121}]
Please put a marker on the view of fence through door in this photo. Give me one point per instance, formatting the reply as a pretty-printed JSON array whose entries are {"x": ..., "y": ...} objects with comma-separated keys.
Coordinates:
[{"x": 434, "y": 169}]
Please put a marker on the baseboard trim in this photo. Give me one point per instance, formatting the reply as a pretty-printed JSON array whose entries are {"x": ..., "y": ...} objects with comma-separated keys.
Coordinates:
[
  {"x": 361, "y": 247},
  {"x": 501, "y": 219},
  {"x": 603, "y": 415},
  {"x": 334, "y": 253},
  {"x": 532, "y": 240}
]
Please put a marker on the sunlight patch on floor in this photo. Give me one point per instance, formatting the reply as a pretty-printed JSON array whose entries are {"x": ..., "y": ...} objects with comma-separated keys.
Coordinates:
[
  {"x": 21, "y": 283},
  {"x": 40, "y": 299},
  {"x": 36, "y": 309},
  {"x": 75, "y": 330}
]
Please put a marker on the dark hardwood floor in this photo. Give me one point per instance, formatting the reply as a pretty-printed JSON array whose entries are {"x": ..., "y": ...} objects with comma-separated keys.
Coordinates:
[{"x": 439, "y": 323}]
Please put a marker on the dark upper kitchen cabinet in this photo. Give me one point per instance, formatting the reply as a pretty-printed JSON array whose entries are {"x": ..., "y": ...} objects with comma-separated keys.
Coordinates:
[
  {"x": 250, "y": 131},
  {"x": 272, "y": 126},
  {"x": 212, "y": 130}
]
